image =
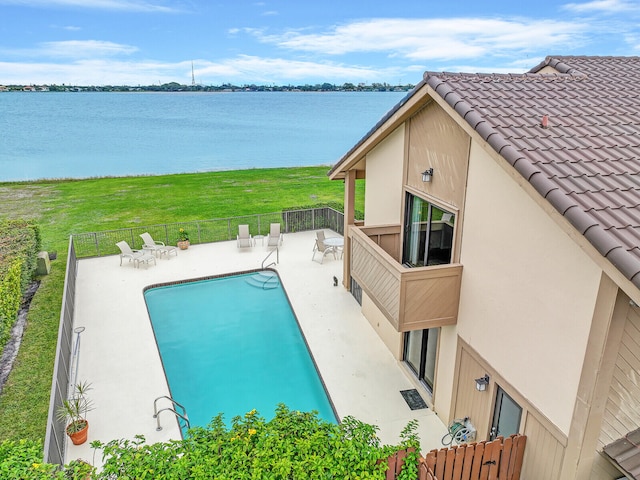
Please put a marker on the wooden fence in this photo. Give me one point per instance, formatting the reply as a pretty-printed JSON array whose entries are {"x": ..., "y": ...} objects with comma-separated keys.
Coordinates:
[{"x": 500, "y": 459}]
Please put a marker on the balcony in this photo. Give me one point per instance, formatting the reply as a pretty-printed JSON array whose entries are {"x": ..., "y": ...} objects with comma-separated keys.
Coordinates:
[{"x": 410, "y": 298}]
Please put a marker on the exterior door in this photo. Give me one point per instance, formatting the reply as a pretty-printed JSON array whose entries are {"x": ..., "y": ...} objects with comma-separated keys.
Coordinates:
[
  {"x": 506, "y": 416},
  {"x": 420, "y": 349},
  {"x": 428, "y": 234}
]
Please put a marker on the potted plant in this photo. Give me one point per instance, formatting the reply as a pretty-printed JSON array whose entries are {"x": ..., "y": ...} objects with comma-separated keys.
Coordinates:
[
  {"x": 74, "y": 410},
  {"x": 183, "y": 239}
]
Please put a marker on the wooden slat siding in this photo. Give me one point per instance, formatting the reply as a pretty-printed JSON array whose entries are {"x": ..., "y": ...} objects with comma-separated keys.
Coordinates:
[
  {"x": 544, "y": 451},
  {"x": 437, "y": 141},
  {"x": 622, "y": 411},
  {"x": 469, "y": 401}
]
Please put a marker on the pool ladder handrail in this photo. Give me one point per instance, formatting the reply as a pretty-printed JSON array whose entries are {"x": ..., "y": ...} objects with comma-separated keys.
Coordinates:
[
  {"x": 156, "y": 412},
  {"x": 272, "y": 263}
]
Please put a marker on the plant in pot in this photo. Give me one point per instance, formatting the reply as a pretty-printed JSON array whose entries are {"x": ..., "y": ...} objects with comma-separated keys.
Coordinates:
[
  {"x": 74, "y": 410},
  {"x": 183, "y": 239}
]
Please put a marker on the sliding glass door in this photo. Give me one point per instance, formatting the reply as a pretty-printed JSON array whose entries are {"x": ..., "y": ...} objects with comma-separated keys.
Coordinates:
[
  {"x": 428, "y": 234},
  {"x": 420, "y": 350}
]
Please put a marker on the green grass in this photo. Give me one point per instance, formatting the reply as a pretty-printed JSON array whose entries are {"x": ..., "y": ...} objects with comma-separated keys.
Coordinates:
[{"x": 63, "y": 207}]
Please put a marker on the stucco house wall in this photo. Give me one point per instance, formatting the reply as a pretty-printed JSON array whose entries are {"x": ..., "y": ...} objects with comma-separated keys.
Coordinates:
[
  {"x": 383, "y": 190},
  {"x": 528, "y": 291}
]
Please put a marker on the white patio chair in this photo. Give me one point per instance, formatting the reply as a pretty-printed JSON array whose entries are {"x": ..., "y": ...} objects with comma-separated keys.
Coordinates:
[
  {"x": 320, "y": 247},
  {"x": 244, "y": 237},
  {"x": 136, "y": 256},
  {"x": 159, "y": 248},
  {"x": 275, "y": 237}
]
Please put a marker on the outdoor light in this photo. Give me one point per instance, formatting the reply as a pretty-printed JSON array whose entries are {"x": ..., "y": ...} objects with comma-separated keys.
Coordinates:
[
  {"x": 482, "y": 382},
  {"x": 427, "y": 174}
]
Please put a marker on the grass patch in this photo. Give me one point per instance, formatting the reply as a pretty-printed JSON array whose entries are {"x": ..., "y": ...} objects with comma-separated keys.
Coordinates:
[{"x": 63, "y": 207}]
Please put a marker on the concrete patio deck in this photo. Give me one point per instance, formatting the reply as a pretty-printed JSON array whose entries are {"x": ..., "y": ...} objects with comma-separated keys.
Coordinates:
[{"x": 118, "y": 353}]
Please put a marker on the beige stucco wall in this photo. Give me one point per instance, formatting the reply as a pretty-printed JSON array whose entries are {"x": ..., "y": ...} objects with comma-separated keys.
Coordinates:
[
  {"x": 445, "y": 369},
  {"x": 383, "y": 191},
  {"x": 391, "y": 338},
  {"x": 528, "y": 291}
]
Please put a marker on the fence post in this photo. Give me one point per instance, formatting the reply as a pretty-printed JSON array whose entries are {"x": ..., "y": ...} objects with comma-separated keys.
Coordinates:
[{"x": 95, "y": 241}]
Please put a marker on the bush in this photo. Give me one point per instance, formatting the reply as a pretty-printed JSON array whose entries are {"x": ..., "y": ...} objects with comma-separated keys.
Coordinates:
[
  {"x": 293, "y": 445},
  {"x": 19, "y": 246}
]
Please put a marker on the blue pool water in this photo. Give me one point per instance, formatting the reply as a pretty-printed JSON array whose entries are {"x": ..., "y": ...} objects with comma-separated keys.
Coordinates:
[{"x": 229, "y": 345}]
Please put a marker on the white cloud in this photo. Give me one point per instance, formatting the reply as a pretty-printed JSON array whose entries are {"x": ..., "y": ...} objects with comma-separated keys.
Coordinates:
[
  {"x": 83, "y": 49},
  {"x": 122, "y": 5},
  {"x": 610, "y": 6},
  {"x": 422, "y": 39}
]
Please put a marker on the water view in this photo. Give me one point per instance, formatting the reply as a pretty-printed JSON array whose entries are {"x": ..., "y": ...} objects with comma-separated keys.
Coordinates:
[{"x": 79, "y": 135}]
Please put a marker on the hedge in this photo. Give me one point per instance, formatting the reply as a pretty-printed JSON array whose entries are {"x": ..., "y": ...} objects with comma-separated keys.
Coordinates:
[
  {"x": 19, "y": 246},
  {"x": 293, "y": 445}
]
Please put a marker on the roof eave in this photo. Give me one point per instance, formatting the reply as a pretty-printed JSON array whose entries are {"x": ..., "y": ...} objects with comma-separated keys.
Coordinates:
[{"x": 387, "y": 124}]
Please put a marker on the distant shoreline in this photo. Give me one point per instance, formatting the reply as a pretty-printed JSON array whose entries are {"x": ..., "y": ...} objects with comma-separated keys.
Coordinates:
[{"x": 225, "y": 88}]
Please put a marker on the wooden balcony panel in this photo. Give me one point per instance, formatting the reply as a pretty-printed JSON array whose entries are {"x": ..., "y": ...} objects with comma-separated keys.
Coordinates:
[
  {"x": 373, "y": 269},
  {"x": 386, "y": 237},
  {"x": 430, "y": 296},
  {"x": 410, "y": 298}
]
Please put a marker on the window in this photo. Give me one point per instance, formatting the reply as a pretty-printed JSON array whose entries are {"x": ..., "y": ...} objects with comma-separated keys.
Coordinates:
[
  {"x": 420, "y": 349},
  {"x": 428, "y": 234}
]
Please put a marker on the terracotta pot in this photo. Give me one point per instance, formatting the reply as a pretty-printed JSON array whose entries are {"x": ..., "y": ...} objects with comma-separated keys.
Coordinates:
[
  {"x": 184, "y": 244},
  {"x": 78, "y": 438}
]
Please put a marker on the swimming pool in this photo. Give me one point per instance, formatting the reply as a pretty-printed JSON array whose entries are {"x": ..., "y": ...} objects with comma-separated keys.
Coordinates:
[{"x": 232, "y": 344}]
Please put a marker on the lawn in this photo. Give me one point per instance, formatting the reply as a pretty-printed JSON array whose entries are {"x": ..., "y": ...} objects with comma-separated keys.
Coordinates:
[{"x": 64, "y": 207}]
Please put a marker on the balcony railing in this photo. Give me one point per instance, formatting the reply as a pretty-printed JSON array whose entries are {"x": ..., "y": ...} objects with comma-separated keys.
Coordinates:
[{"x": 410, "y": 298}]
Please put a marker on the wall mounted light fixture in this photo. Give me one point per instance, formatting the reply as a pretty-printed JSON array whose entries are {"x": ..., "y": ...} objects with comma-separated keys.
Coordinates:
[
  {"x": 482, "y": 382},
  {"x": 427, "y": 174}
]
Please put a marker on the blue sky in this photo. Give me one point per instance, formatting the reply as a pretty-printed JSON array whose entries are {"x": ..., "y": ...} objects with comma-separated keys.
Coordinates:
[{"x": 143, "y": 42}]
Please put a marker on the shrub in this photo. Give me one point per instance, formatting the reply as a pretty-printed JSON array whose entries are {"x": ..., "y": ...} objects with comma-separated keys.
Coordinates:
[
  {"x": 19, "y": 245},
  {"x": 293, "y": 445}
]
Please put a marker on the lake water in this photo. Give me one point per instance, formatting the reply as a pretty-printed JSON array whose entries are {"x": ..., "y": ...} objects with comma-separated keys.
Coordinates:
[{"x": 79, "y": 135}]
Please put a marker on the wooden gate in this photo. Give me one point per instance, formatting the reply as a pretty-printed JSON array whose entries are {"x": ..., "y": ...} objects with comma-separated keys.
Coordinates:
[{"x": 500, "y": 459}]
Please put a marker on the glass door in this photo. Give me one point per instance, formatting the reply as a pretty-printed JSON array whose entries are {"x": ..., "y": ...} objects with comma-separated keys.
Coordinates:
[
  {"x": 506, "y": 416},
  {"x": 428, "y": 234},
  {"x": 420, "y": 349}
]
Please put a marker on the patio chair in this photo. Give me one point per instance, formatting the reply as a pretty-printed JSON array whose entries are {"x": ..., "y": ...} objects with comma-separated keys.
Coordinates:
[
  {"x": 275, "y": 237},
  {"x": 244, "y": 237},
  {"x": 136, "y": 256},
  {"x": 321, "y": 247},
  {"x": 158, "y": 248}
]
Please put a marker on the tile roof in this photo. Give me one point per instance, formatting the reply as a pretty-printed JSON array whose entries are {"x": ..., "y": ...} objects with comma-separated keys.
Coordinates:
[
  {"x": 586, "y": 161},
  {"x": 625, "y": 452}
]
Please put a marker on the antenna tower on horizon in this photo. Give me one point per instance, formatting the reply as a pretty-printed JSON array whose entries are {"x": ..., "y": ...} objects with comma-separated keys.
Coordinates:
[{"x": 193, "y": 77}]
